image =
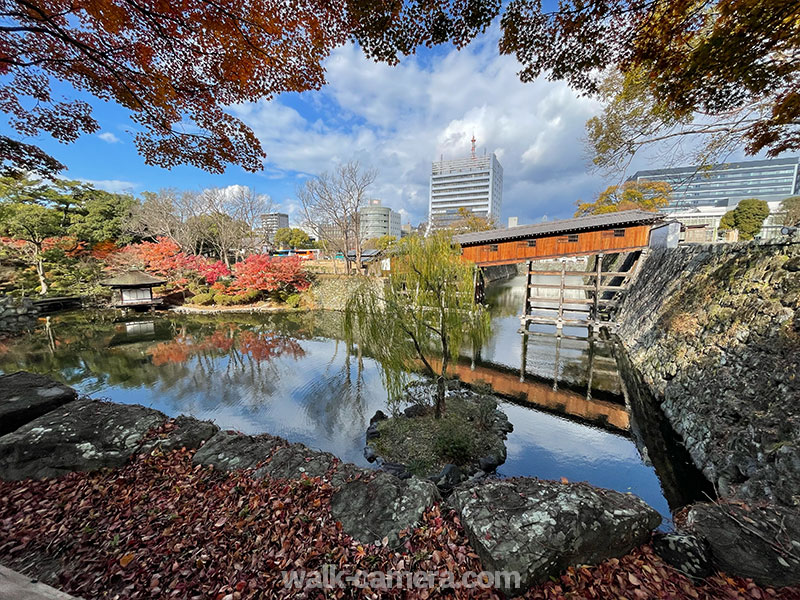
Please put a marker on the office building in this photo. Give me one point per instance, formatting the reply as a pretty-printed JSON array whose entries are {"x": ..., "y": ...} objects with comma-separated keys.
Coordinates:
[
  {"x": 376, "y": 221},
  {"x": 271, "y": 222},
  {"x": 701, "y": 196},
  {"x": 474, "y": 184}
]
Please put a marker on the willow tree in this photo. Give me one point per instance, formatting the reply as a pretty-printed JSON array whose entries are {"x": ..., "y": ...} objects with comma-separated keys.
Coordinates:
[{"x": 425, "y": 313}]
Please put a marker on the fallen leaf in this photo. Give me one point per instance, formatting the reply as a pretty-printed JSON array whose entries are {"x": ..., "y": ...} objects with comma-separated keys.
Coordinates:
[{"x": 126, "y": 559}]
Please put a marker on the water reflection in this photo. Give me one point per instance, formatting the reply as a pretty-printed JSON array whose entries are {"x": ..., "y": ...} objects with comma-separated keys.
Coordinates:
[{"x": 293, "y": 375}]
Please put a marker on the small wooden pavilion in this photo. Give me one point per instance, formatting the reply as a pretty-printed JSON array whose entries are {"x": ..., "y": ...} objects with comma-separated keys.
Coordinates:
[{"x": 135, "y": 289}]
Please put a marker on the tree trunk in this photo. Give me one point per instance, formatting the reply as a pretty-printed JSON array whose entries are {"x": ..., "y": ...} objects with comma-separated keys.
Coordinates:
[
  {"x": 40, "y": 273},
  {"x": 441, "y": 386},
  {"x": 441, "y": 383}
]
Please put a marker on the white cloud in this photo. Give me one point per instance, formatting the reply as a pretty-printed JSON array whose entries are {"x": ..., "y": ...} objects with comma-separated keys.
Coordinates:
[
  {"x": 109, "y": 137},
  {"x": 115, "y": 186},
  {"x": 399, "y": 119}
]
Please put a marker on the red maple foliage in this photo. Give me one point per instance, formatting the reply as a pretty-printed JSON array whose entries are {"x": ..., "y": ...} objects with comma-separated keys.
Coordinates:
[
  {"x": 269, "y": 274},
  {"x": 102, "y": 250},
  {"x": 164, "y": 257},
  {"x": 160, "y": 527}
]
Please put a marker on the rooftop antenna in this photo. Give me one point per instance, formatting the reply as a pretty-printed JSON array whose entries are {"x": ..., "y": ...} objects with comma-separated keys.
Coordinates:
[{"x": 473, "y": 145}]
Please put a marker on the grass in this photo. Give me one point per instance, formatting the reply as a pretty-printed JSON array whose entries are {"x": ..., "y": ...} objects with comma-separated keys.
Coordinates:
[{"x": 426, "y": 444}]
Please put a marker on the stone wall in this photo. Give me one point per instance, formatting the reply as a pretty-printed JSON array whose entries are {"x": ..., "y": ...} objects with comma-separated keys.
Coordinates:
[
  {"x": 498, "y": 272},
  {"x": 16, "y": 314},
  {"x": 714, "y": 331},
  {"x": 330, "y": 292}
]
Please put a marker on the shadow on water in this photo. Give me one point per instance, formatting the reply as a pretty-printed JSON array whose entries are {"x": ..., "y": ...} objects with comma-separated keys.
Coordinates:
[
  {"x": 293, "y": 375},
  {"x": 659, "y": 444}
]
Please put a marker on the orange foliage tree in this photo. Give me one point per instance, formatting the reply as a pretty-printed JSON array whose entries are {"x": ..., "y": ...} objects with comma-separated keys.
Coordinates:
[{"x": 182, "y": 61}]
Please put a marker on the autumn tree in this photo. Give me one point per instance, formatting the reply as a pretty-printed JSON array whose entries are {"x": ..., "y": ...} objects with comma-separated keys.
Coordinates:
[
  {"x": 385, "y": 242},
  {"x": 178, "y": 66},
  {"x": 424, "y": 314},
  {"x": 631, "y": 195},
  {"x": 469, "y": 221},
  {"x": 331, "y": 203},
  {"x": 726, "y": 70},
  {"x": 747, "y": 218},
  {"x": 220, "y": 220},
  {"x": 270, "y": 274}
]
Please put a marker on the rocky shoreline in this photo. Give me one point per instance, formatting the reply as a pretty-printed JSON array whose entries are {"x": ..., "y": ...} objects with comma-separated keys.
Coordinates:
[
  {"x": 16, "y": 315},
  {"x": 535, "y": 527},
  {"x": 82, "y": 434}
]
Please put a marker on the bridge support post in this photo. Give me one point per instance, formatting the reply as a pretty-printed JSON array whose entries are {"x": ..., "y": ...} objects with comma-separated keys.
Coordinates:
[
  {"x": 560, "y": 320},
  {"x": 526, "y": 297},
  {"x": 594, "y": 321}
]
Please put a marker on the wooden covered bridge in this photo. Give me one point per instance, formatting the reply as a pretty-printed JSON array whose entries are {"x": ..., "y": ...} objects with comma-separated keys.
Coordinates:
[{"x": 596, "y": 293}]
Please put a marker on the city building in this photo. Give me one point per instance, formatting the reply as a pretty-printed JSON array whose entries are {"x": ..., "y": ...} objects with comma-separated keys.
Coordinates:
[
  {"x": 271, "y": 222},
  {"x": 474, "y": 184},
  {"x": 513, "y": 222},
  {"x": 376, "y": 221},
  {"x": 701, "y": 196}
]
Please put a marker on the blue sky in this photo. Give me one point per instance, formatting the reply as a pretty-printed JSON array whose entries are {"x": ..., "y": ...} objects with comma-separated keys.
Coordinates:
[{"x": 395, "y": 119}]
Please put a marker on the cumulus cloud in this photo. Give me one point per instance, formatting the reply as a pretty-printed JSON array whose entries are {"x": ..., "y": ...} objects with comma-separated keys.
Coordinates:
[
  {"x": 109, "y": 137},
  {"x": 399, "y": 119}
]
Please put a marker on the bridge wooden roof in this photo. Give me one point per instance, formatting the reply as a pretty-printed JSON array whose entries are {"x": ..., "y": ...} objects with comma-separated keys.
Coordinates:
[{"x": 591, "y": 222}]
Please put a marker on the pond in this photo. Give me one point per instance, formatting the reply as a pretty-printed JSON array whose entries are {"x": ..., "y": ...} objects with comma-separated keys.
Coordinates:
[{"x": 292, "y": 375}]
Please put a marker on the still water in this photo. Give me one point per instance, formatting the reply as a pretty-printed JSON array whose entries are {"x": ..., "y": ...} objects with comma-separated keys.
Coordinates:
[{"x": 293, "y": 375}]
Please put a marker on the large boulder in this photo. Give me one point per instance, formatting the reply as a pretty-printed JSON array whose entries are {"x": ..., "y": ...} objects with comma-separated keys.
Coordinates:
[
  {"x": 83, "y": 435},
  {"x": 689, "y": 554},
  {"x": 185, "y": 432},
  {"x": 229, "y": 450},
  {"x": 26, "y": 396},
  {"x": 539, "y": 528},
  {"x": 758, "y": 542},
  {"x": 382, "y": 507},
  {"x": 296, "y": 460}
]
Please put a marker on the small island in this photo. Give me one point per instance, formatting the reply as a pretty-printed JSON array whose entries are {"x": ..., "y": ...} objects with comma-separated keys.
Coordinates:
[{"x": 467, "y": 442}]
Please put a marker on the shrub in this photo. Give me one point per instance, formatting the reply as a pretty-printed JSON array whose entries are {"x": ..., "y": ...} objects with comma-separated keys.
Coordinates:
[
  {"x": 454, "y": 443},
  {"x": 248, "y": 296},
  {"x": 203, "y": 299},
  {"x": 197, "y": 288},
  {"x": 224, "y": 300},
  {"x": 293, "y": 300},
  {"x": 269, "y": 274},
  {"x": 484, "y": 412}
]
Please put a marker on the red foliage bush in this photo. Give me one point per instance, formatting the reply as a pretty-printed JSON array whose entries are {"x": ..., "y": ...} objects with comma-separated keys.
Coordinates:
[
  {"x": 164, "y": 257},
  {"x": 269, "y": 274}
]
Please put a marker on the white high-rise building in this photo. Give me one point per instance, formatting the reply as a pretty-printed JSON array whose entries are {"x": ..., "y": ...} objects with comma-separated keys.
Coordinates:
[
  {"x": 271, "y": 222},
  {"x": 474, "y": 184},
  {"x": 376, "y": 221}
]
